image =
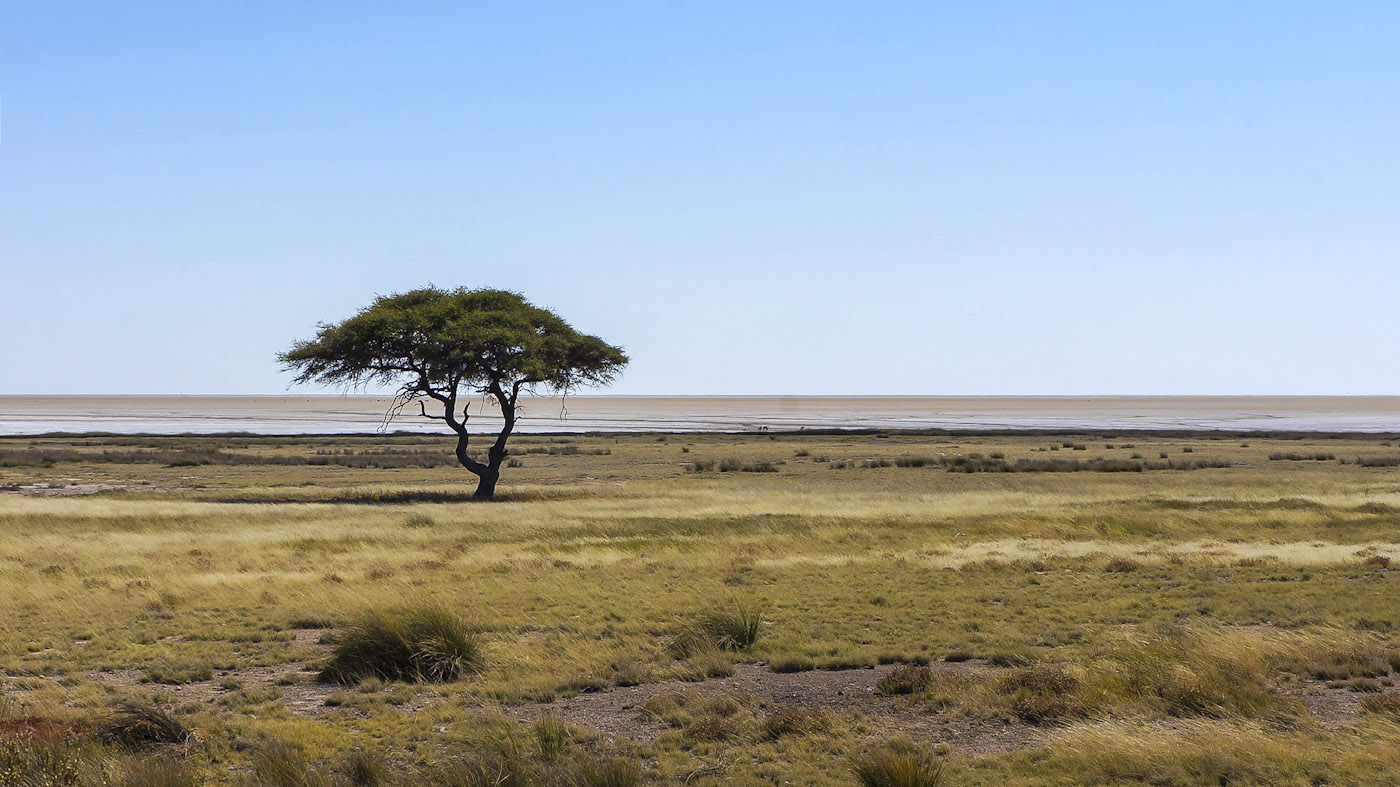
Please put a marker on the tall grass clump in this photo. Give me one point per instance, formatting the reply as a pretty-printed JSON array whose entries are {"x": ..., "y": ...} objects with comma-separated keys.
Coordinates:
[
  {"x": 366, "y": 769},
  {"x": 25, "y": 761},
  {"x": 422, "y": 644},
  {"x": 1042, "y": 693},
  {"x": 736, "y": 629},
  {"x": 1180, "y": 673},
  {"x": 596, "y": 771},
  {"x": 552, "y": 736},
  {"x": 897, "y": 765},
  {"x": 1177, "y": 673},
  {"x": 280, "y": 764},
  {"x": 161, "y": 771},
  {"x": 796, "y": 720},
  {"x": 905, "y": 679},
  {"x": 1194, "y": 752},
  {"x": 134, "y": 724}
]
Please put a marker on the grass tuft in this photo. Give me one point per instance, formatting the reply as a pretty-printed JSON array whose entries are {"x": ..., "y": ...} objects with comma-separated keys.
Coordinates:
[
  {"x": 904, "y": 679},
  {"x": 366, "y": 769},
  {"x": 160, "y": 771},
  {"x": 607, "y": 772},
  {"x": 280, "y": 764},
  {"x": 733, "y": 630},
  {"x": 897, "y": 765},
  {"x": 796, "y": 720},
  {"x": 424, "y": 644},
  {"x": 726, "y": 630},
  {"x": 134, "y": 724}
]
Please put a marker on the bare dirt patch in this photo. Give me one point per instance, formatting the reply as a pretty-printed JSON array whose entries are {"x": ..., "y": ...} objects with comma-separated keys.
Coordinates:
[
  {"x": 1335, "y": 706},
  {"x": 618, "y": 712}
]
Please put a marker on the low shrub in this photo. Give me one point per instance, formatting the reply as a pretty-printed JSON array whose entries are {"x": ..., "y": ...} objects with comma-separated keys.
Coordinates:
[{"x": 25, "y": 761}]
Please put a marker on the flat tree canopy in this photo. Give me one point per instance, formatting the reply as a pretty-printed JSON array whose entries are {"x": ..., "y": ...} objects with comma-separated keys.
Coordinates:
[{"x": 436, "y": 344}]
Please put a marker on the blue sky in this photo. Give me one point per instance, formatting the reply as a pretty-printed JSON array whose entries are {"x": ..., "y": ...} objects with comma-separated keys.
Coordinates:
[{"x": 938, "y": 198}]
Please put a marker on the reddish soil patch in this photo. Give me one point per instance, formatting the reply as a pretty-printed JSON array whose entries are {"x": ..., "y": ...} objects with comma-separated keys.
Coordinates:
[{"x": 41, "y": 728}]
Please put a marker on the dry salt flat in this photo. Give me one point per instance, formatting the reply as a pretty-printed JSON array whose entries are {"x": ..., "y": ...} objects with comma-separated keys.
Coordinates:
[{"x": 331, "y": 414}]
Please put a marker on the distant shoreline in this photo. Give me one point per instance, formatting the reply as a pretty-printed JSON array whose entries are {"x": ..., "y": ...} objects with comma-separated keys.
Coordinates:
[
  {"x": 331, "y": 414},
  {"x": 1198, "y": 434}
]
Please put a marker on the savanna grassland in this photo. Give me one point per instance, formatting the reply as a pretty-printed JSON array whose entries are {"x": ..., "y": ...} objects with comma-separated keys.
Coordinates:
[{"x": 880, "y": 609}]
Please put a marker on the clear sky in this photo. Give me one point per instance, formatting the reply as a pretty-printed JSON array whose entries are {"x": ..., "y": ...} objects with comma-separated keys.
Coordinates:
[{"x": 807, "y": 197}]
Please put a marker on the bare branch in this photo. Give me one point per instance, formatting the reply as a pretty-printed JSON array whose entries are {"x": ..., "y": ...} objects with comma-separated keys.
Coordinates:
[{"x": 423, "y": 411}]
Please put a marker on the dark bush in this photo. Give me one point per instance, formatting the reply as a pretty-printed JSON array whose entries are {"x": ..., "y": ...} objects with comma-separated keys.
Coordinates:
[
  {"x": 134, "y": 724},
  {"x": 421, "y": 644}
]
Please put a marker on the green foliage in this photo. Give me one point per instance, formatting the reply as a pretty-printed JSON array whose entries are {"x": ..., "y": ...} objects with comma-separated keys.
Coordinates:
[
  {"x": 467, "y": 337},
  {"x": 434, "y": 342},
  {"x": 420, "y": 644}
]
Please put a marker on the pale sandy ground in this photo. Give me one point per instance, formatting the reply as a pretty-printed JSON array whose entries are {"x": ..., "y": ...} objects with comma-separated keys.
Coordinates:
[{"x": 20, "y": 414}]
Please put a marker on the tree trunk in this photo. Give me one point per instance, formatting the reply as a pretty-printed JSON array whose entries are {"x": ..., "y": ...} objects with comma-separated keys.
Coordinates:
[
  {"x": 486, "y": 487},
  {"x": 489, "y": 472}
]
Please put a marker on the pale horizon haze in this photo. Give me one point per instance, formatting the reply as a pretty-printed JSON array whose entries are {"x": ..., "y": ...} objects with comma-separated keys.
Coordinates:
[{"x": 1000, "y": 198}]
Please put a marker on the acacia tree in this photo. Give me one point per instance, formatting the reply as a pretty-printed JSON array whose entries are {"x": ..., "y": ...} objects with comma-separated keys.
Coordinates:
[{"x": 438, "y": 345}]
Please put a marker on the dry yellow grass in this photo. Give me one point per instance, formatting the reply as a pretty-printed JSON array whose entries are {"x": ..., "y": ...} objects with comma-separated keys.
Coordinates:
[{"x": 600, "y": 553}]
